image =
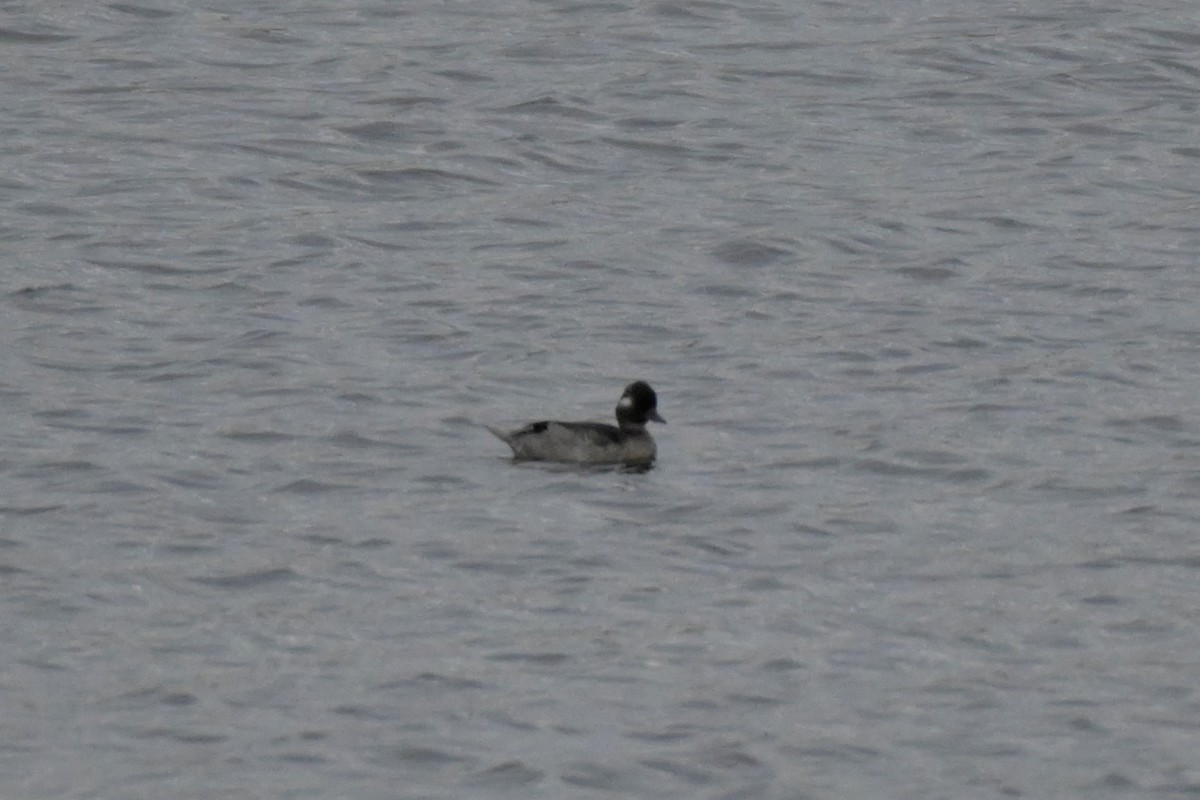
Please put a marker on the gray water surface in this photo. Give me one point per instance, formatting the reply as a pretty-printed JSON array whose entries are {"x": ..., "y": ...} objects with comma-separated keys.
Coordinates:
[{"x": 916, "y": 284}]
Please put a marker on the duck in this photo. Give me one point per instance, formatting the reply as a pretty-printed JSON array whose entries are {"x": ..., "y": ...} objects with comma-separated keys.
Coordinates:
[{"x": 626, "y": 443}]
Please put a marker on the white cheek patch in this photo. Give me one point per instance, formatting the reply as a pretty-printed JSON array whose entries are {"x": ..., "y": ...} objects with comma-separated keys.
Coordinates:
[{"x": 625, "y": 402}]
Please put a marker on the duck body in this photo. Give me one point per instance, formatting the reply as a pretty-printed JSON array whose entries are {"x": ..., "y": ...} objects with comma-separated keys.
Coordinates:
[{"x": 627, "y": 442}]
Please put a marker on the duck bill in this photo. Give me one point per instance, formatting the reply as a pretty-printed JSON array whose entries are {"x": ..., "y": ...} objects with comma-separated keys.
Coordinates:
[{"x": 654, "y": 415}]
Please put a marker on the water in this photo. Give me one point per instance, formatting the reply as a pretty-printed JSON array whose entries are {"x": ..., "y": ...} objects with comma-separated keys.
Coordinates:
[{"x": 914, "y": 284}]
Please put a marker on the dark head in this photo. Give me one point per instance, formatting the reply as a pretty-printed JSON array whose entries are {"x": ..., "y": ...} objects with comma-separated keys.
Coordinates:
[{"x": 638, "y": 405}]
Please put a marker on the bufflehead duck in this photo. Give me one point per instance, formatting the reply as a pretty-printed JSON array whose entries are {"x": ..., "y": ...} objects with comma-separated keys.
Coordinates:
[{"x": 592, "y": 442}]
